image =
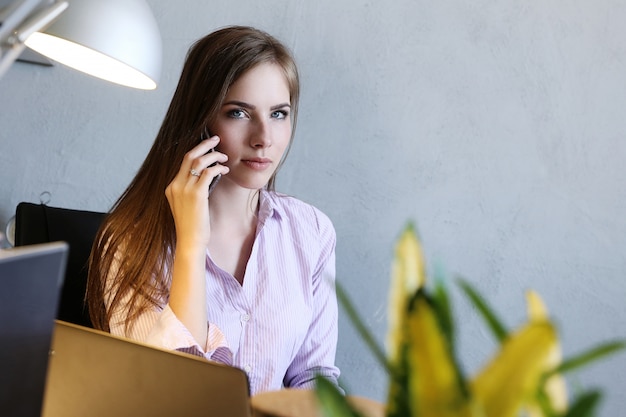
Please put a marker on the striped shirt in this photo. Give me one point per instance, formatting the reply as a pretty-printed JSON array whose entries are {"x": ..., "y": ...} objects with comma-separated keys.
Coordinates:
[{"x": 280, "y": 326}]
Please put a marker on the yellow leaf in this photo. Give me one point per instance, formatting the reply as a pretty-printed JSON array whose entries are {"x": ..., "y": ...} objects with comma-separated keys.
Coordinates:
[
  {"x": 555, "y": 387},
  {"x": 513, "y": 376},
  {"x": 435, "y": 386},
  {"x": 407, "y": 276},
  {"x": 536, "y": 308}
]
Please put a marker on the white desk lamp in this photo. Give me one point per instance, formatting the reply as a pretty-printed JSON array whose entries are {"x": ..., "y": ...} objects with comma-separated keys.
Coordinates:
[{"x": 116, "y": 40}]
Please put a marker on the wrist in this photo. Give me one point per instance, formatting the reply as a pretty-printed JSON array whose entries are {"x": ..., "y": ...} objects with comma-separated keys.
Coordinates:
[{"x": 190, "y": 250}]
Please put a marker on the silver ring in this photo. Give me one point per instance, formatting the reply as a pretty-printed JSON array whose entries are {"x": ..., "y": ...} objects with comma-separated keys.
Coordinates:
[{"x": 194, "y": 172}]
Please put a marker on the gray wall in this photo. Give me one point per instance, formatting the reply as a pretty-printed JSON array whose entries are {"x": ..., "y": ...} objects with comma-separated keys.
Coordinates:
[{"x": 497, "y": 126}]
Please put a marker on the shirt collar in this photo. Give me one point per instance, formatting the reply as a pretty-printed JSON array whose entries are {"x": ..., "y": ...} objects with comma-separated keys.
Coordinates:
[{"x": 269, "y": 207}]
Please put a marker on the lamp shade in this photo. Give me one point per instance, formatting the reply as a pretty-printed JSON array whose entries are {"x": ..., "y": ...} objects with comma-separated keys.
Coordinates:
[{"x": 116, "y": 40}]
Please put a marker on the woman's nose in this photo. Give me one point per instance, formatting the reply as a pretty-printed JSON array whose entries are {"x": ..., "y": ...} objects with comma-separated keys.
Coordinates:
[{"x": 261, "y": 135}]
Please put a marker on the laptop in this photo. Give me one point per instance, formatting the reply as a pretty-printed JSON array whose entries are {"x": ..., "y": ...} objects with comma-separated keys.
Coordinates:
[
  {"x": 31, "y": 278},
  {"x": 93, "y": 373}
]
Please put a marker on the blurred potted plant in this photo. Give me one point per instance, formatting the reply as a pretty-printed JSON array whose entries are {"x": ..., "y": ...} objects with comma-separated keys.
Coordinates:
[{"x": 523, "y": 378}]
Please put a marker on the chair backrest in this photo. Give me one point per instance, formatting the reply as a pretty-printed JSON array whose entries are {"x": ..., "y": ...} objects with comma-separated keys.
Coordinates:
[{"x": 38, "y": 223}]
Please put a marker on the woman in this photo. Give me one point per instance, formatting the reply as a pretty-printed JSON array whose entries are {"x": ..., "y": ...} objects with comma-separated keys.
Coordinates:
[{"x": 241, "y": 274}]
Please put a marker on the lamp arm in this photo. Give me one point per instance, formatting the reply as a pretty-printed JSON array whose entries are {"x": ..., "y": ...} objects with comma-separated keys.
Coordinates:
[
  {"x": 21, "y": 19},
  {"x": 12, "y": 15},
  {"x": 39, "y": 20}
]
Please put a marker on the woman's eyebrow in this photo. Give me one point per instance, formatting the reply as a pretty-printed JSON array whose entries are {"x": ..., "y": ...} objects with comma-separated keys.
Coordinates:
[
  {"x": 240, "y": 104},
  {"x": 280, "y": 106},
  {"x": 245, "y": 105}
]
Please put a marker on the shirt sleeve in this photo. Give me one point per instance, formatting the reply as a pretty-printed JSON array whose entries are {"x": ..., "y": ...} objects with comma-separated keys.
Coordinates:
[
  {"x": 170, "y": 333},
  {"x": 160, "y": 327},
  {"x": 316, "y": 356}
]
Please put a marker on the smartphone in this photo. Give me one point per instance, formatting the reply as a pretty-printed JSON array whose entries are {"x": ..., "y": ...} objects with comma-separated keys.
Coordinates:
[{"x": 205, "y": 135}]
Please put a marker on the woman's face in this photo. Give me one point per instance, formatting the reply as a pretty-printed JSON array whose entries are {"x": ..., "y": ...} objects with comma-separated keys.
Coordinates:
[{"x": 254, "y": 125}]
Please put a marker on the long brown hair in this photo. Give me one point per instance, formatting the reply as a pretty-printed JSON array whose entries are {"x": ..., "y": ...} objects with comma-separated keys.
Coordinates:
[{"x": 138, "y": 236}]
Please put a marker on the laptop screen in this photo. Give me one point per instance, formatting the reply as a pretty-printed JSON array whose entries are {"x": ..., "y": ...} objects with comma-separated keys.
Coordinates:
[{"x": 30, "y": 283}]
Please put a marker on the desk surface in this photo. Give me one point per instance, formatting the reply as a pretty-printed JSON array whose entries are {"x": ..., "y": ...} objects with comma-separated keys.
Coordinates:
[{"x": 303, "y": 403}]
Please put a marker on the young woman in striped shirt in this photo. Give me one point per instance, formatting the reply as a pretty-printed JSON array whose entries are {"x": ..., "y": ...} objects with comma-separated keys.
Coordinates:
[{"x": 240, "y": 274}]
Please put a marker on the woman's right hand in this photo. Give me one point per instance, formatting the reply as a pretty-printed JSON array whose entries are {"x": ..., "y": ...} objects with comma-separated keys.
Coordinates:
[{"x": 188, "y": 193}]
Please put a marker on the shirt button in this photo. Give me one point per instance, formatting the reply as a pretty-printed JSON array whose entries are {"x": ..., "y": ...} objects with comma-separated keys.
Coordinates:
[
  {"x": 247, "y": 368},
  {"x": 245, "y": 318}
]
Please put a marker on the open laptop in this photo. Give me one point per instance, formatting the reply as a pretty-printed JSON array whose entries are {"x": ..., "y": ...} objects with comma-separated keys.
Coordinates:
[
  {"x": 96, "y": 374},
  {"x": 30, "y": 284}
]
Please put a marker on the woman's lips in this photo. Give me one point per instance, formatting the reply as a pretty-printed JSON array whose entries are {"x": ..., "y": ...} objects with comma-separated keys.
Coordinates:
[{"x": 258, "y": 164}]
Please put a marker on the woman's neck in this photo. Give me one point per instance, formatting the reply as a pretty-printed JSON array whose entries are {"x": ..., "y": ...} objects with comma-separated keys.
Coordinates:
[{"x": 233, "y": 206}]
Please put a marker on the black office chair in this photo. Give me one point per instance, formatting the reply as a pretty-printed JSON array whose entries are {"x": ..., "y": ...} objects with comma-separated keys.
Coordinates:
[{"x": 39, "y": 223}]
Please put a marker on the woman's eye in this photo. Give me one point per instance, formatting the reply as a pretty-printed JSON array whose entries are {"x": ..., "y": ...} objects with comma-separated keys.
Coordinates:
[
  {"x": 280, "y": 114},
  {"x": 237, "y": 114}
]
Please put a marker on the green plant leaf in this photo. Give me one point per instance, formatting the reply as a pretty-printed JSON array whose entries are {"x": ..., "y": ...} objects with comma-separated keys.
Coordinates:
[
  {"x": 332, "y": 402},
  {"x": 498, "y": 329},
  {"x": 398, "y": 394},
  {"x": 585, "y": 405},
  {"x": 365, "y": 334},
  {"x": 588, "y": 357},
  {"x": 543, "y": 401},
  {"x": 444, "y": 310}
]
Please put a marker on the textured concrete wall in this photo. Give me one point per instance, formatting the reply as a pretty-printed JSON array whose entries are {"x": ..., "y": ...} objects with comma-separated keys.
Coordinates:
[{"x": 497, "y": 126}]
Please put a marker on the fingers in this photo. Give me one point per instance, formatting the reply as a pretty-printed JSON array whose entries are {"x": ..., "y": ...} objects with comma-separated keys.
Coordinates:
[
  {"x": 202, "y": 164},
  {"x": 207, "y": 177},
  {"x": 203, "y": 155}
]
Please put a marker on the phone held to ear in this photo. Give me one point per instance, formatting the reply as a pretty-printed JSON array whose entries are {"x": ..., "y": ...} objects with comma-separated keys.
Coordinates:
[{"x": 215, "y": 180}]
